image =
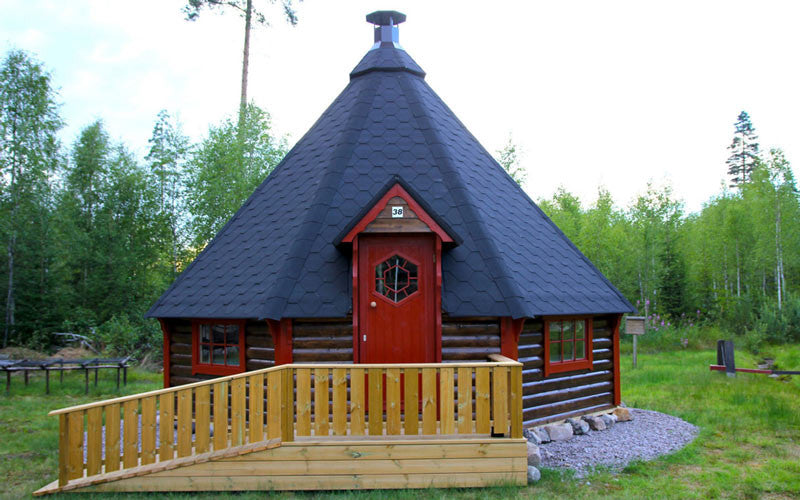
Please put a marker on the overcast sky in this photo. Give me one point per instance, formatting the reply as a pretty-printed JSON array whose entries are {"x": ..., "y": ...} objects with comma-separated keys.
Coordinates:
[{"x": 610, "y": 93}]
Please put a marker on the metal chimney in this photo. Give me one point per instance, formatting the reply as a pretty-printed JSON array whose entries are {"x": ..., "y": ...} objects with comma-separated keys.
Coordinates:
[{"x": 386, "y": 30}]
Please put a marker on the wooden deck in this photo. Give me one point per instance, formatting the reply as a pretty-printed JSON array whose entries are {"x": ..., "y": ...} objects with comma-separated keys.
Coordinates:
[
  {"x": 355, "y": 426},
  {"x": 329, "y": 465}
]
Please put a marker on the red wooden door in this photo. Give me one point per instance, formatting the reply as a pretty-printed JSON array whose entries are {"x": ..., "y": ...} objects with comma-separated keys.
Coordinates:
[{"x": 396, "y": 299}]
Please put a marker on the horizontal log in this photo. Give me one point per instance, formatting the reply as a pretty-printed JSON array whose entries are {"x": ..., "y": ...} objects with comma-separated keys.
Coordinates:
[
  {"x": 565, "y": 406},
  {"x": 601, "y": 354},
  {"x": 258, "y": 341},
  {"x": 175, "y": 348},
  {"x": 322, "y": 343},
  {"x": 462, "y": 328},
  {"x": 531, "y": 375},
  {"x": 528, "y": 351},
  {"x": 181, "y": 338},
  {"x": 259, "y": 364},
  {"x": 531, "y": 327},
  {"x": 322, "y": 355},
  {"x": 600, "y": 322},
  {"x": 467, "y": 341},
  {"x": 173, "y": 381},
  {"x": 561, "y": 382},
  {"x": 180, "y": 327},
  {"x": 569, "y": 414},
  {"x": 531, "y": 362},
  {"x": 530, "y": 338},
  {"x": 322, "y": 329},
  {"x": 566, "y": 394},
  {"x": 257, "y": 328},
  {"x": 468, "y": 353},
  {"x": 601, "y": 344},
  {"x": 181, "y": 359},
  {"x": 180, "y": 371},
  {"x": 264, "y": 353}
]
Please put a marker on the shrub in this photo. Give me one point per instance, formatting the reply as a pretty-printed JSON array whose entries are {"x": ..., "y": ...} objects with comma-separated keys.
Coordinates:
[{"x": 122, "y": 337}]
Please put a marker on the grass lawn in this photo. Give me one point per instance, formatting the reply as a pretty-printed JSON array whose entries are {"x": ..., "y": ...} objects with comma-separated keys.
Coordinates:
[{"x": 749, "y": 444}]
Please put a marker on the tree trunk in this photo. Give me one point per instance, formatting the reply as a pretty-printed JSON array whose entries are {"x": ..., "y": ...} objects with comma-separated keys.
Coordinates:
[
  {"x": 10, "y": 296},
  {"x": 245, "y": 63},
  {"x": 738, "y": 273},
  {"x": 778, "y": 253}
]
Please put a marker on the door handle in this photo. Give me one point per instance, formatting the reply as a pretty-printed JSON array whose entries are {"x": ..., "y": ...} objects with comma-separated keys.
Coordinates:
[{"x": 373, "y": 304}]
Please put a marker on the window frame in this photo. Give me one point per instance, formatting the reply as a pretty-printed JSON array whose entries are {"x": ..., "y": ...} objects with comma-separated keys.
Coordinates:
[
  {"x": 551, "y": 367},
  {"x": 212, "y": 368}
]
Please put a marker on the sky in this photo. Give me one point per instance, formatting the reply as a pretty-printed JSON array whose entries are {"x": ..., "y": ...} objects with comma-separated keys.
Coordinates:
[{"x": 610, "y": 94}]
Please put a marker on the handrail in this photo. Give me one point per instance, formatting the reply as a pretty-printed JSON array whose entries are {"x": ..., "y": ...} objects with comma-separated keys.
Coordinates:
[
  {"x": 498, "y": 360},
  {"x": 288, "y": 401}
]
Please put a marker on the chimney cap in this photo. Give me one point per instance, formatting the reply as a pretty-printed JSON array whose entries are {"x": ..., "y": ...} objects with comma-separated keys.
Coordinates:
[{"x": 386, "y": 17}]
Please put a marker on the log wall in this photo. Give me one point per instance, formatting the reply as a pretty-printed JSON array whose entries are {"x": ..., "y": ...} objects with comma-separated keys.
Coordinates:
[
  {"x": 568, "y": 394},
  {"x": 469, "y": 339},
  {"x": 259, "y": 351},
  {"x": 322, "y": 341}
]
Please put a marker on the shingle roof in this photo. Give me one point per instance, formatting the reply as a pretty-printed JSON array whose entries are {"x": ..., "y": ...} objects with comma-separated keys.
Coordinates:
[{"x": 277, "y": 256}]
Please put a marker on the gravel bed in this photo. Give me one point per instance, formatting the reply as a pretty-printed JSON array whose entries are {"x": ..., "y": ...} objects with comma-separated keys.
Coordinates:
[{"x": 649, "y": 435}]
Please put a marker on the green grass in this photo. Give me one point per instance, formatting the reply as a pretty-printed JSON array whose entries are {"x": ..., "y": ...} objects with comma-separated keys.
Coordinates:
[{"x": 748, "y": 447}]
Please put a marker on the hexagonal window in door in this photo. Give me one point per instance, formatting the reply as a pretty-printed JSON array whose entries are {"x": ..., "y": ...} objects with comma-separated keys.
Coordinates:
[{"x": 396, "y": 278}]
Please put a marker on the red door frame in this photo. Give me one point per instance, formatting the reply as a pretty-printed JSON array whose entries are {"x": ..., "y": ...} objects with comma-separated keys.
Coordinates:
[{"x": 437, "y": 299}]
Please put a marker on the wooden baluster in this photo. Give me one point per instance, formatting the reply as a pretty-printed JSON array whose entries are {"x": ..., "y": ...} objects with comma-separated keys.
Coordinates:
[
  {"x": 256, "y": 393},
  {"x": 303, "y": 402},
  {"x": 94, "y": 440},
  {"x": 500, "y": 399},
  {"x": 287, "y": 404},
  {"x": 446, "y": 394},
  {"x": 75, "y": 445},
  {"x": 357, "y": 402},
  {"x": 465, "y": 400},
  {"x": 63, "y": 449},
  {"x": 339, "y": 376},
  {"x": 220, "y": 415},
  {"x": 148, "y": 430},
  {"x": 112, "y": 438},
  {"x": 321, "y": 409},
  {"x": 375, "y": 401},
  {"x": 411, "y": 403},
  {"x": 482, "y": 419},
  {"x": 393, "y": 401},
  {"x": 130, "y": 441},
  {"x": 515, "y": 401},
  {"x": 202, "y": 411},
  {"x": 166, "y": 427},
  {"x": 274, "y": 392},
  {"x": 237, "y": 411},
  {"x": 429, "y": 400},
  {"x": 184, "y": 423}
]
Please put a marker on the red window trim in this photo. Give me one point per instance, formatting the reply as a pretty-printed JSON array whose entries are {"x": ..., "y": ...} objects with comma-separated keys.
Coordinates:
[
  {"x": 212, "y": 369},
  {"x": 567, "y": 366}
]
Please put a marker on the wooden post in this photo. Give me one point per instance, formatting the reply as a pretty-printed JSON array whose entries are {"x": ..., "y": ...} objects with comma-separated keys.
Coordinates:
[
  {"x": 515, "y": 401},
  {"x": 86, "y": 379},
  {"x": 635, "y": 343},
  {"x": 63, "y": 440},
  {"x": 46, "y": 381}
]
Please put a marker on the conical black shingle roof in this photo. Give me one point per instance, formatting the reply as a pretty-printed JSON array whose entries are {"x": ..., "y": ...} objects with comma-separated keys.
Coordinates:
[{"x": 277, "y": 257}]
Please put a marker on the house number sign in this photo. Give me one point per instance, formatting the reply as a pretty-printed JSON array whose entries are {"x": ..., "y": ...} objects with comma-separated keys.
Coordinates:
[{"x": 397, "y": 212}]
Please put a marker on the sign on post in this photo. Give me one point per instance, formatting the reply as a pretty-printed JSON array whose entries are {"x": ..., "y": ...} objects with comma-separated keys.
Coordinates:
[{"x": 635, "y": 325}]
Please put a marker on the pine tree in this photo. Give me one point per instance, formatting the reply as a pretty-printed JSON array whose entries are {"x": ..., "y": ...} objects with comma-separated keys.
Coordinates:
[{"x": 744, "y": 150}]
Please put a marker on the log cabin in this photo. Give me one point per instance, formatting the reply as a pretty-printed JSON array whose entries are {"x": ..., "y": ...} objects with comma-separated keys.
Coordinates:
[{"x": 388, "y": 238}]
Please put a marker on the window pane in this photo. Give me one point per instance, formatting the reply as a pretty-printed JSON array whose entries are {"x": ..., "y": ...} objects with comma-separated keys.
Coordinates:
[
  {"x": 579, "y": 354},
  {"x": 567, "y": 331},
  {"x": 567, "y": 346},
  {"x": 219, "y": 356},
  {"x": 218, "y": 334},
  {"x": 555, "y": 330},
  {"x": 205, "y": 335},
  {"x": 555, "y": 352},
  {"x": 233, "y": 356},
  {"x": 232, "y": 334},
  {"x": 205, "y": 354},
  {"x": 580, "y": 332}
]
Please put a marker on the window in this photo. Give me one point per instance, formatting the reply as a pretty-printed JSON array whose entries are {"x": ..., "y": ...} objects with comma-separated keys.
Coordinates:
[
  {"x": 218, "y": 347},
  {"x": 396, "y": 278},
  {"x": 567, "y": 345}
]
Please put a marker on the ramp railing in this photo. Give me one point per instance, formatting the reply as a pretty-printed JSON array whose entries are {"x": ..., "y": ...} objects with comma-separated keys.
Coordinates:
[{"x": 290, "y": 402}]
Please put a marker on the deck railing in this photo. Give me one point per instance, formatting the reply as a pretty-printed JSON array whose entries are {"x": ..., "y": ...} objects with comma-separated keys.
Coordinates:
[{"x": 289, "y": 402}]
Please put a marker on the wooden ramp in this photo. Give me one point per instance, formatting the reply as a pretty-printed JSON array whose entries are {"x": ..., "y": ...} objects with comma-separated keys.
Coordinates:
[
  {"x": 304, "y": 427},
  {"x": 327, "y": 465}
]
